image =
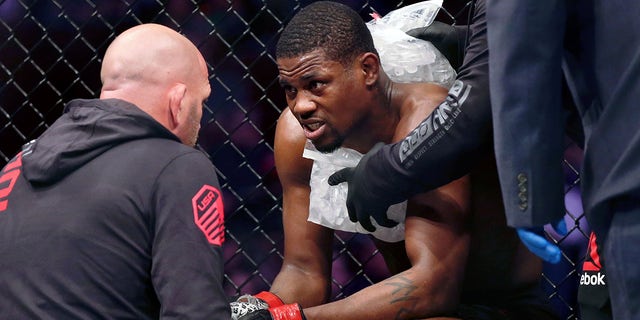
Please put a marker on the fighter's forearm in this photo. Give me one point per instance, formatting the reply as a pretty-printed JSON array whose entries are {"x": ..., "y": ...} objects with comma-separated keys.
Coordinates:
[
  {"x": 404, "y": 296},
  {"x": 293, "y": 285}
]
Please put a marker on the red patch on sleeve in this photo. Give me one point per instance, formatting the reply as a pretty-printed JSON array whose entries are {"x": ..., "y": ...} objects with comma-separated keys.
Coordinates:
[
  {"x": 208, "y": 214},
  {"x": 8, "y": 178}
]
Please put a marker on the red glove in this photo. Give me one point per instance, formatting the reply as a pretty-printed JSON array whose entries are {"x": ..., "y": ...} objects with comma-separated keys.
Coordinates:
[
  {"x": 271, "y": 299},
  {"x": 284, "y": 312}
]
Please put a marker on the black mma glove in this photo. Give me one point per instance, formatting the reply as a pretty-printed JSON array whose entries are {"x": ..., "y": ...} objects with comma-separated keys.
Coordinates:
[
  {"x": 365, "y": 196},
  {"x": 248, "y": 303},
  {"x": 284, "y": 312},
  {"x": 449, "y": 40}
]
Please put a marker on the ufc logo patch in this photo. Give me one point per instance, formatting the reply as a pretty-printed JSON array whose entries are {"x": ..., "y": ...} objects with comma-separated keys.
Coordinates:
[{"x": 208, "y": 214}]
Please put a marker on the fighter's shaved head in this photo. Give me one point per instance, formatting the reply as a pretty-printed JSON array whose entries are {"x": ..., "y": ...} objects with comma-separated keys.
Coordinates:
[
  {"x": 330, "y": 26},
  {"x": 153, "y": 66}
]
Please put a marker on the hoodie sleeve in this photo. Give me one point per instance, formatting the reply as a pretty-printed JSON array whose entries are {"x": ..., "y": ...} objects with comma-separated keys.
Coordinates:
[{"x": 187, "y": 267}]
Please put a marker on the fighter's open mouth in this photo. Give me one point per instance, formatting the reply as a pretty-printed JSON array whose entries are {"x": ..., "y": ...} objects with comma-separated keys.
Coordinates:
[
  {"x": 313, "y": 126},
  {"x": 314, "y": 130}
]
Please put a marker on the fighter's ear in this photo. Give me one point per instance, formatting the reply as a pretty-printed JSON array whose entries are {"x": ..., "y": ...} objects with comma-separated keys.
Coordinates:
[
  {"x": 370, "y": 64},
  {"x": 176, "y": 95}
]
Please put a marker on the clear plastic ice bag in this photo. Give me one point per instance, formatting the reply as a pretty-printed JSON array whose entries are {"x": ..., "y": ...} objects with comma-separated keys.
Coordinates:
[
  {"x": 405, "y": 58},
  {"x": 413, "y": 16}
]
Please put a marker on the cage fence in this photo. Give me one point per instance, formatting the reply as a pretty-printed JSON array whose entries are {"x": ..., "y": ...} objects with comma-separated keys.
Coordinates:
[{"x": 50, "y": 53}]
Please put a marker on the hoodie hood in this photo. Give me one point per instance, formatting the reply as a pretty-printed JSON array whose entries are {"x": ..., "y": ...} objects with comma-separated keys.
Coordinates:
[{"x": 86, "y": 129}]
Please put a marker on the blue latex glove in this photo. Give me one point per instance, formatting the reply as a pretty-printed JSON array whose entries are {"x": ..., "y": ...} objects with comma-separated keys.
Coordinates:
[{"x": 535, "y": 240}]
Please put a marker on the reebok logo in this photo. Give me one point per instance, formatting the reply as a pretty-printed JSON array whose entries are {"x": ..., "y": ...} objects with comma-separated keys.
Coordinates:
[
  {"x": 592, "y": 274},
  {"x": 592, "y": 279}
]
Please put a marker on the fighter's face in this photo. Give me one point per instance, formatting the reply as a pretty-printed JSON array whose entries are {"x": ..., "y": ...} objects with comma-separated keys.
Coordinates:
[{"x": 324, "y": 97}]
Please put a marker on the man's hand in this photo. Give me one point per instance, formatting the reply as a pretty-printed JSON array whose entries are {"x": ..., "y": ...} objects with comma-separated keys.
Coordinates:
[
  {"x": 362, "y": 203},
  {"x": 284, "y": 312},
  {"x": 534, "y": 239},
  {"x": 448, "y": 39}
]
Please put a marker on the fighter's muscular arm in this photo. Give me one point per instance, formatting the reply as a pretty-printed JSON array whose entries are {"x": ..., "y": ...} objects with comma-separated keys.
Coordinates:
[
  {"x": 306, "y": 270},
  {"x": 437, "y": 246}
]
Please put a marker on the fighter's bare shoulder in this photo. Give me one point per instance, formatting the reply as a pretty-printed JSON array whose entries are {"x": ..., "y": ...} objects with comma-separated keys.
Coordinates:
[{"x": 420, "y": 99}]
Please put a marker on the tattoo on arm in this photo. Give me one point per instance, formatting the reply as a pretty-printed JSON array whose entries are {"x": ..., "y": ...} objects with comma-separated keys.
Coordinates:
[{"x": 404, "y": 288}]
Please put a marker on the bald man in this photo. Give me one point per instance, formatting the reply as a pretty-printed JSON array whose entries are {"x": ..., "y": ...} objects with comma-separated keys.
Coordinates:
[{"x": 111, "y": 213}]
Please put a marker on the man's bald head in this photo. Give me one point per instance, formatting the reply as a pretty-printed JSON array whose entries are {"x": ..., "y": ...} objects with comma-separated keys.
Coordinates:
[
  {"x": 151, "y": 66},
  {"x": 148, "y": 53}
]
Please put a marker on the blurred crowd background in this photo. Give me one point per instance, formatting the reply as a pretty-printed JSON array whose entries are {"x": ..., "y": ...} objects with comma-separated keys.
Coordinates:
[{"x": 50, "y": 53}]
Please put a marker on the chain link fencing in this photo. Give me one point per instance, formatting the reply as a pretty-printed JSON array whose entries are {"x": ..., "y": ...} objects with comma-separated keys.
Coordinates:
[{"x": 50, "y": 53}]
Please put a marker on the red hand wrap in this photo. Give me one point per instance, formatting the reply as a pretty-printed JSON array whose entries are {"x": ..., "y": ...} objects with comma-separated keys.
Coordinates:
[
  {"x": 287, "y": 312},
  {"x": 271, "y": 299}
]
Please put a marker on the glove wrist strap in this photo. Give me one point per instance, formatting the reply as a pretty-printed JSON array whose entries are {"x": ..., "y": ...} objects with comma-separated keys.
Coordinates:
[
  {"x": 287, "y": 312},
  {"x": 271, "y": 299}
]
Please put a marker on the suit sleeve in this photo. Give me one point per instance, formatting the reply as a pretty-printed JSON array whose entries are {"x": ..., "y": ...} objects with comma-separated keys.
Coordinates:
[
  {"x": 187, "y": 268},
  {"x": 526, "y": 43},
  {"x": 445, "y": 144}
]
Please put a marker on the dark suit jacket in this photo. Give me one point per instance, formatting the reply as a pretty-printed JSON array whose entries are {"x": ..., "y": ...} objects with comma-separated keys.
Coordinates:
[{"x": 596, "y": 44}]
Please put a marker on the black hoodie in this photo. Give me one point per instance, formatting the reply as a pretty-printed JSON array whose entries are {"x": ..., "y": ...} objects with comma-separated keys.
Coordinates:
[{"x": 108, "y": 216}]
